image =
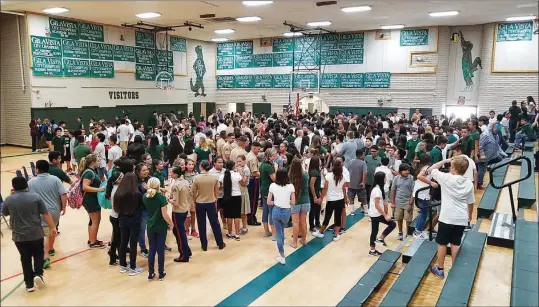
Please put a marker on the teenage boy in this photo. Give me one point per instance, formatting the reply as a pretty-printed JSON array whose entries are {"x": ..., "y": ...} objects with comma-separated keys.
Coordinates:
[
  {"x": 25, "y": 209},
  {"x": 457, "y": 201},
  {"x": 101, "y": 156},
  {"x": 59, "y": 144},
  {"x": 115, "y": 152},
  {"x": 82, "y": 150},
  {"x": 514, "y": 112},
  {"x": 526, "y": 133},
  {"x": 54, "y": 160},
  {"x": 358, "y": 177},
  {"x": 411, "y": 145},
  {"x": 402, "y": 197},
  {"x": 436, "y": 152},
  {"x": 372, "y": 161},
  {"x": 67, "y": 156}
]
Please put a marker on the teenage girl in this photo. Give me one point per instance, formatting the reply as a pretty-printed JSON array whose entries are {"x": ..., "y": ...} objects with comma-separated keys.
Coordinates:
[
  {"x": 244, "y": 171},
  {"x": 314, "y": 193},
  {"x": 378, "y": 215},
  {"x": 232, "y": 182},
  {"x": 189, "y": 175},
  {"x": 299, "y": 211},
  {"x": 180, "y": 197},
  {"x": 112, "y": 185},
  {"x": 90, "y": 186}
]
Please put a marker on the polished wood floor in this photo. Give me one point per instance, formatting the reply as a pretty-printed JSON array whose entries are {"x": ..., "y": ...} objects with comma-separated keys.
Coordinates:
[{"x": 82, "y": 277}]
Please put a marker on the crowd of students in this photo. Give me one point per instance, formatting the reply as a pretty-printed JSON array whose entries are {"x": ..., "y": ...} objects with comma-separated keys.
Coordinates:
[{"x": 224, "y": 167}]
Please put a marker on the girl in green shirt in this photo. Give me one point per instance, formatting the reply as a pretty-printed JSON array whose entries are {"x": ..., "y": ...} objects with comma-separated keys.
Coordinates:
[
  {"x": 157, "y": 166},
  {"x": 315, "y": 184},
  {"x": 90, "y": 186},
  {"x": 202, "y": 153},
  {"x": 155, "y": 150}
]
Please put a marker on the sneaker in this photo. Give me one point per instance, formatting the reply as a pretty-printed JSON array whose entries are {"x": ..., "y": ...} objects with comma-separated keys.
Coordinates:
[
  {"x": 353, "y": 213},
  {"x": 135, "y": 271},
  {"x": 380, "y": 241},
  {"x": 151, "y": 276},
  {"x": 244, "y": 231},
  {"x": 229, "y": 236},
  {"x": 32, "y": 289},
  {"x": 421, "y": 235},
  {"x": 342, "y": 231},
  {"x": 189, "y": 238},
  {"x": 399, "y": 236},
  {"x": 365, "y": 208},
  {"x": 267, "y": 234},
  {"x": 144, "y": 253},
  {"x": 123, "y": 269},
  {"x": 336, "y": 238},
  {"x": 273, "y": 239},
  {"x": 318, "y": 234},
  {"x": 117, "y": 262},
  {"x": 39, "y": 281},
  {"x": 168, "y": 249},
  {"x": 437, "y": 271},
  {"x": 281, "y": 259},
  {"x": 236, "y": 237},
  {"x": 194, "y": 234},
  {"x": 52, "y": 252},
  {"x": 162, "y": 276},
  {"x": 468, "y": 228},
  {"x": 97, "y": 245},
  {"x": 46, "y": 263},
  {"x": 180, "y": 260},
  {"x": 375, "y": 253}
]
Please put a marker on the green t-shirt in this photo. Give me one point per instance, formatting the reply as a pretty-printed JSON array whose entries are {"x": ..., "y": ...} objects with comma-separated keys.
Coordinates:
[
  {"x": 58, "y": 143},
  {"x": 411, "y": 146},
  {"x": 382, "y": 153},
  {"x": 75, "y": 143},
  {"x": 436, "y": 154},
  {"x": 515, "y": 111},
  {"x": 58, "y": 172},
  {"x": 290, "y": 138},
  {"x": 304, "y": 194},
  {"x": 80, "y": 125},
  {"x": 474, "y": 135},
  {"x": 451, "y": 139},
  {"x": 90, "y": 198},
  {"x": 528, "y": 129},
  {"x": 372, "y": 164},
  {"x": 81, "y": 151},
  {"x": 317, "y": 183},
  {"x": 156, "y": 154},
  {"x": 156, "y": 222},
  {"x": 159, "y": 175},
  {"x": 466, "y": 145},
  {"x": 266, "y": 169},
  {"x": 202, "y": 154}
]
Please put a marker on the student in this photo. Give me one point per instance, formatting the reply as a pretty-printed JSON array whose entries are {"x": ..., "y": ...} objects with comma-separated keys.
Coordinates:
[
  {"x": 423, "y": 180},
  {"x": 299, "y": 211},
  {"x": 115, "y": 152},
  {"x": 157, "y": 166},
  {"x": 281, "y": 195},
  {"x": 335, "y": 189},
  {"x": 231, "y": 183},
  {"x": 474, "y": 140},
  {"x": 180, "y": 198},
  {"x": 158, "y": 223},
  {"x": 54, "y": 160},
  {"x": 90, "y": 186},
  {"x": 112, "y": 185},
  {"x": 136, "y": 150},
  {"x": 142, "y": 172},
  {"x": 81, "y": 150},
  {"x": 358, "y": 177},
  {"x": 205, "y": 190},
  {"x": 402, "y": 198},
  {"x": 25, "y": 209},
  {"x": 243, "y": 170},
  {"x": 254, "y": 182},
  {"x": 315, "y": 187},
  {"x": 436, "y": 152},
  {"x": 99, "y": 151},
  {"x": 267, "y": 176},
  {"x": 526, "y": 133},
  {"x": 471, "y": 173},
  {"x": 457, "y": 200},
  {"x": 155, "y": 150},
  {"x": 203, "y": 152},
  {"x": 372, "y": 161},
  {"x": 411, "y": 145},
  {"x": 127, "y": 202},
  {"x": 389, "y": 177},
  {"x": 378, "y": 215},
  {"x": 58, "y": 144},
  {"x": 190, "y": 175},
  {"x": 67, "y": 156}
]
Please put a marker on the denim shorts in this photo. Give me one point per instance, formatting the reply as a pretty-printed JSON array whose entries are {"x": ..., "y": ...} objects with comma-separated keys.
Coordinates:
[{"x": 300, "y": 208}]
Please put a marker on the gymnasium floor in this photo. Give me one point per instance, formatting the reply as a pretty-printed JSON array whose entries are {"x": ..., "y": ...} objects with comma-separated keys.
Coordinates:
[{"x": 244, "y": 273}]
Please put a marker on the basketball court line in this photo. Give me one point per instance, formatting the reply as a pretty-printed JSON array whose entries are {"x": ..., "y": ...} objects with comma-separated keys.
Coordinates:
[{"x": 250, "y": 292}]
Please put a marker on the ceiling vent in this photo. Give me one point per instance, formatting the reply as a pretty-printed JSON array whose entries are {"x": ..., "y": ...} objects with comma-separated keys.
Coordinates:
[
  {"x": 207, "y": 16},
  {"x": 326, "y": 3},
  {"x": 219, "y": 20}
]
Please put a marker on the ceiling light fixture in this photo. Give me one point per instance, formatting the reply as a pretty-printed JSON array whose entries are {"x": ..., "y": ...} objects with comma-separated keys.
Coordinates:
[
  {"x": 354, "y": 9},
  {"x": 219, "y": 39},
  {"x": 256, "y": 3},
  {"x": 392, "y": 27},
  {"x": 444, "y": 14},
  {"x": 319, "y": 23},
  {"x": 248, "y": 19},
  {"x": 521, "y": 18},
  {"x": 292, "y": 34},
  {"x": 148, "y": 15},
  {"x": 55, "y": 10},
  {"x": 224, "y": 31}
]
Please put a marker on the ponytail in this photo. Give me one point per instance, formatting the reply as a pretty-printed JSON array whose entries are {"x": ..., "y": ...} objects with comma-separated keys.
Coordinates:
[
  {"x": 110, "y": 183},
  {"x": 153, "y": 187},
  {"x": 227, "y": 179},
  {"x": 85, "y": 162}
]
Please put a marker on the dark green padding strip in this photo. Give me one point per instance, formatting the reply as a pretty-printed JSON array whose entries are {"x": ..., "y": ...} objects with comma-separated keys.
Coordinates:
[{"x": 525, "y": 286}]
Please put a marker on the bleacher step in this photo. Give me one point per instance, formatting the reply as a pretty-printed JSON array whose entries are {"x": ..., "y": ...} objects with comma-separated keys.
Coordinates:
[
  {"x": 502, "y": 231},
  {"x": 525, "y": 277},
  {"x": 526, "y": 188},
  {"x": 416, "y": 244}
]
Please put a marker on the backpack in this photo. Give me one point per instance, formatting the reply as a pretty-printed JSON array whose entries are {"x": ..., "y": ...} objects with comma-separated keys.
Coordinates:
[
  {"x": 103, "y": 201},
  {"x": 74, "y": 194}
]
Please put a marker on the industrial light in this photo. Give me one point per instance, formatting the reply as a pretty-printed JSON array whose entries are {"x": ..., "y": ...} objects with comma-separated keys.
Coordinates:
[
  {"x": 353, "y": 9},
  {"x": 224, "y": 31},
  {"x": 256, "y": 3},
  {"x": 148, "y": 15},
  {"x": 248, "y": 19},
  {"x": 520, "y": 18},
  {"x": 219, "y": 39},
  {"x": 391, "y": 27},
  {"x": 444, "y": 14},
  {"x": 292, "y": 34},
  {"x": 55, "y": 10},
  {"x": 319, "y": 23}
]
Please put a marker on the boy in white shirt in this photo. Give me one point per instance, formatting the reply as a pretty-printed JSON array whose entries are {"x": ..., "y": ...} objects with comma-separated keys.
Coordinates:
[
  {"x": 101, "y": 156},
  {"x": 388, "y": 179},
  {"x": 457, "y": 200}
]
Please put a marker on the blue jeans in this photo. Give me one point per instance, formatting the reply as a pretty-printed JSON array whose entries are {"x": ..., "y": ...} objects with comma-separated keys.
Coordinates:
[
  {"x": 266, "y": 211},
  {"x": 165, "y": 172},
  {"x": 157, "y": 245},
  {"x": 482, "y": 168},
  {"x": 423, "y": 213},
  {"x": 280, "y": 218},
  {"x": 142, "y": 234},
  {"x": 520, "y": 139},
  {"x": 203, "y": 210}
]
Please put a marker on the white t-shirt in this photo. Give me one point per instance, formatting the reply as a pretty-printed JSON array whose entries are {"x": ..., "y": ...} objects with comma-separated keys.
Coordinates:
[
  {"x": 469, "y": 170},
  {"x": 457, "y": 193},
  {"x": 123, "y": 133},
  {"x": 335, "y": 190},
  {"x": 420, "y": 184},
  {"x": 376, "y": 192},
  {"x": 100, "y": 152},
  {"x": 115, "y": 152},
  {"x": 389, "y": 176},
  {"x": 111, "y": 131},
  {"x": 236, "y": 178},
  {"x": 281, "y": 195},
  {"x": 397, "y": 165},
  {"x": 132, "y": 132},
  {"x": 113, "y": 213}
]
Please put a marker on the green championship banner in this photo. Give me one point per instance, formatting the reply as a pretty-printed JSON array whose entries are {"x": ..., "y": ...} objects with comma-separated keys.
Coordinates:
[
  {"x": 124, "y": 53},
  {"x": 283, "y": 59},
  {"x": 164, "y": 58},
  {"x": 91, "y": 32},
  {"x": 351, "y": 56},
  {"x": 75, "y": 49},
  {"x": 262, "y": 81},
  {"x": 101, "y": 69},
  {"x": 243, "y": 61},
  {"x": 243, "y": 81},
  {"x": 351, "y": 40},
  {"x": 262, "y": 60},
  {"x": 225, "y": 49},
  {"x": 377, "y": 79},
  {"x": 243, "y": 48},
  {"x": 281, "y": 81},
  {"x": 225, "y": 62},
  {"x": 225, "y": 81},
  {"x": 46, "y": 66},
  {"x": 144, "y": 72},
  {"x": 516, "y": 31},
  {"x": 330, "y": 41},
  {"x": 283, "y": 45},
  {"x": 417, "y": 37},
  {"x": 144, "y": 39},
  {"x": 330, "y": 57},
  {"x": 63, "y": 28},
  {"x": 144, "y": 56},
  {"x": 178, "y": 44},
  {"x": 46, "y": 46},
  {"x": 330, "y": 81},
  {"x": 351, "y": 80},
  {"x": 76, "y": 68},
  {"x": 99, "y": 51}
]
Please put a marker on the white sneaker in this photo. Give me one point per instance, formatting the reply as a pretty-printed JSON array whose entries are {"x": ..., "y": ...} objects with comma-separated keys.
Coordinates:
[
  {"x": 421, "y": 235},
  {"x": 39, "y": 281},
  {"x": 318, "y": 234},
  {"x": 189, "y": 238},
  {"x": 136, "y": 271},
  {"x": 31, "y": 289},
  {"x": 281, "y": 259},
  {"x": 123, "y": 269},
  {"x": 336, "y": 238}
]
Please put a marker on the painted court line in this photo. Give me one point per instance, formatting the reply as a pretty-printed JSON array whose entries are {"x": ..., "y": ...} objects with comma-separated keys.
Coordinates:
[{"x": 265, "y": 281}]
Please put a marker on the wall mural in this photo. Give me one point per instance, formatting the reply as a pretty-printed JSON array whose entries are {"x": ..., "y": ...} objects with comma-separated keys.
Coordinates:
[
  {"x": 468, "y": 67},
  {"x": 200, "y": 70}
]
